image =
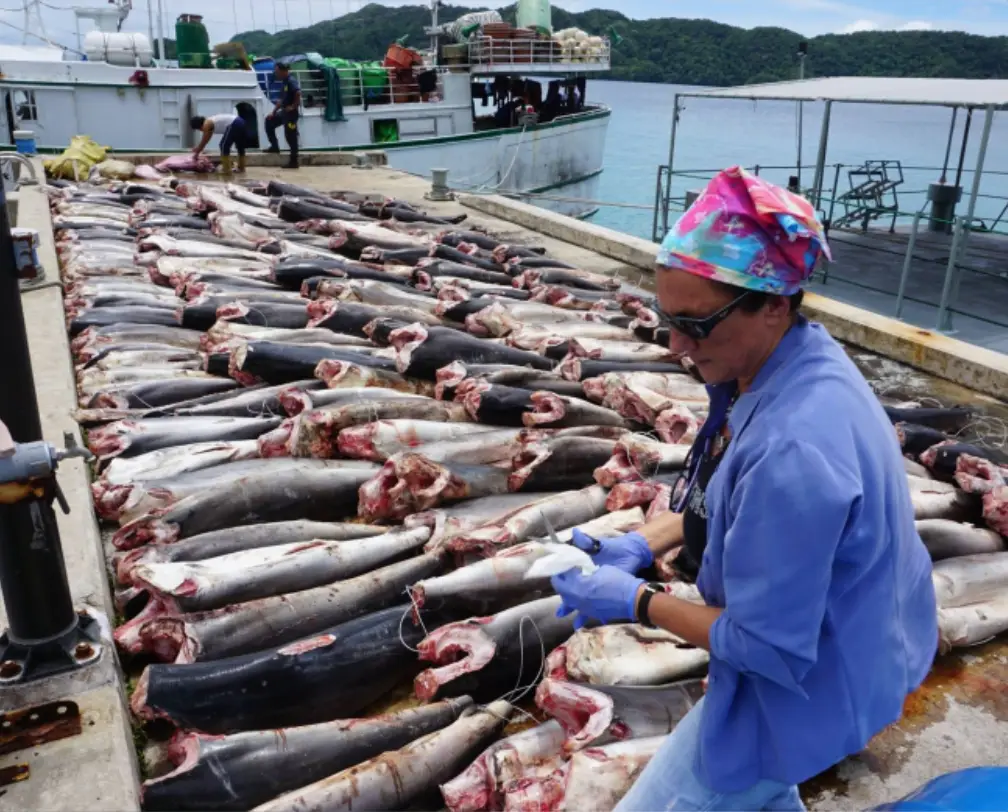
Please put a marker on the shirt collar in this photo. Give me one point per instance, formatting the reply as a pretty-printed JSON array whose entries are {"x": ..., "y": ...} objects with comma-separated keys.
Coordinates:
[{"x": 789, "y": 345}]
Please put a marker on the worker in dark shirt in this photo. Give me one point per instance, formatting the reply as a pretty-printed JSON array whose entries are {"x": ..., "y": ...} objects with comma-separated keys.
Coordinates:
[{"x": 286, "y": 113}]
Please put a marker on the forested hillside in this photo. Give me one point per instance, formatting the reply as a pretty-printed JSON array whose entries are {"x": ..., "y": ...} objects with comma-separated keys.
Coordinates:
[{"x": 678, "y": 51}]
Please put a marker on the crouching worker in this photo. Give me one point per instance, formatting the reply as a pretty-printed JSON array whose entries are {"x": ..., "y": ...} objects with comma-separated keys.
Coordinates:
[{"x": 232, "y": 130}]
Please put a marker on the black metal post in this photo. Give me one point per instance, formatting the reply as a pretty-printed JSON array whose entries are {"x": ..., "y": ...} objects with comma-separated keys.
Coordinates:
[
  {"x": 43, "y": 634},
  {"x": 948, "y": 146},
  {"x": 18, "y": 407},
  {"x": 962, "y": 151}
]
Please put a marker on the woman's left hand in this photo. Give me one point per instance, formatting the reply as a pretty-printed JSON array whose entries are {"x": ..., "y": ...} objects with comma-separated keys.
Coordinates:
[{"x": 607, "y": 595}]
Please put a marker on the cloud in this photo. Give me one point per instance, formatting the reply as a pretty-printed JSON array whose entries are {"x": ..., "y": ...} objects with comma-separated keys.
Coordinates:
[
  {"x": 870, "y": 25},
  {"x": 820, "y": 5},
  {"x": 858, "y": 26},
  {"x": 809, "y": 17}
]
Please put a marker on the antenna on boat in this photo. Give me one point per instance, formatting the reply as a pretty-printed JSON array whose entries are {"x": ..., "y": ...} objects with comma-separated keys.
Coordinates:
[
  {"x": 434, "y": 7},
  {"x": 33, "y": 8}
]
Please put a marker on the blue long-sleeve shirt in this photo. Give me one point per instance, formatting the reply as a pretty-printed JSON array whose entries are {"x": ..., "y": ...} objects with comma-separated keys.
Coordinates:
[{"x": 830, "y": 617}]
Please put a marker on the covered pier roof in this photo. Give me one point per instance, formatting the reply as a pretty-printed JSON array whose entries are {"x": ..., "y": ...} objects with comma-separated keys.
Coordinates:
[{"x": 873, "y": 90}]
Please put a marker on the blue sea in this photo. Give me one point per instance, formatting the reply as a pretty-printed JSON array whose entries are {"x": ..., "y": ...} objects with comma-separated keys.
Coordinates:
[{"x": 714, "y": 134}]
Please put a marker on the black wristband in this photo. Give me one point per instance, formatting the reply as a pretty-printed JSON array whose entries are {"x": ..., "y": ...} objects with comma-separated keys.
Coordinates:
[{"x": 650, "y": 590}]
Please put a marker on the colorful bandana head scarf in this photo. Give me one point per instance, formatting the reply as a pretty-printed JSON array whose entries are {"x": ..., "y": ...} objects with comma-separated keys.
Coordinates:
[{"x": 749, "y": 233}]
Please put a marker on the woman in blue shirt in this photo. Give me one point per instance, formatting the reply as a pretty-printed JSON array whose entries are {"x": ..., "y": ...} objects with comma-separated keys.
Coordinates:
[{"x": 820, "y": 615}]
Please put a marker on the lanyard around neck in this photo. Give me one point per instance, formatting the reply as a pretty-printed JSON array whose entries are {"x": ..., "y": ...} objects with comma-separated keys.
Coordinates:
[{"x": 701, "y": 450}]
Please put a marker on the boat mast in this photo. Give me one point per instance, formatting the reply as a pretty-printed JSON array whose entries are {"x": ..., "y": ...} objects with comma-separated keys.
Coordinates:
[
  {"x": 124, "y": 7},
  {"x": 33, "y": 9},
  {"x": 435, "y": 5},
  {"x": 161, "y": 37}
]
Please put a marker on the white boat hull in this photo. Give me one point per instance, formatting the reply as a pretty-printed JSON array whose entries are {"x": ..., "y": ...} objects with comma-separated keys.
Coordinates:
[{"x": 560, "y": 158}]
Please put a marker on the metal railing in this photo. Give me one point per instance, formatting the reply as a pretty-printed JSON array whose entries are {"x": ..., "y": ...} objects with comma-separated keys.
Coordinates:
[
  {"x": 360, "y": 86},
  {"x": 826, "y": 199},
  {"x": 12, "y": 168},
  {"x": 986, "y": 261},
  {"x": 486, "y": 51}
]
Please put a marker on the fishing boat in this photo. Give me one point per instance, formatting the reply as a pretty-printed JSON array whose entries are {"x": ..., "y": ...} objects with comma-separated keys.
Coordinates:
[{"x": 461, "y": 106}]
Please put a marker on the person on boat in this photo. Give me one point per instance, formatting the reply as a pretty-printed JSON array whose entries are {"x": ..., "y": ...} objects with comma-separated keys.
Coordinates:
[
  {"x": 819, "y": 613},
  {"x": 233, "y": 132},
  {"x": 285, "y": 113}
]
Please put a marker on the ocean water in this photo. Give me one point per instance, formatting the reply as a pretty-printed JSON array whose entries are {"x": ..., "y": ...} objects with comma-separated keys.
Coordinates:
[{"x": 717, "y": 133}]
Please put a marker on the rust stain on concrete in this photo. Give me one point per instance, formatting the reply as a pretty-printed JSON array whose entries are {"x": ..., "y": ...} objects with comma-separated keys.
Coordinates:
[{"x": 976, "y": 677}]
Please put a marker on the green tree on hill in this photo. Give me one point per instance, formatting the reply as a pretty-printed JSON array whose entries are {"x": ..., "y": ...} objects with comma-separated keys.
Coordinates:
[{"x": 691, "y": 52}]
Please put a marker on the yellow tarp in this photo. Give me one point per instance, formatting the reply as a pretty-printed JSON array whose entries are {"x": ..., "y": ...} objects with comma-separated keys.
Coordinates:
[
  {"x": 116, "y": 169},
  {"x": 76, "y": 161}
]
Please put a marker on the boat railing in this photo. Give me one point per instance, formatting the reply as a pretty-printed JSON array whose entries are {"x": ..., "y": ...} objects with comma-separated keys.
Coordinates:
[
  {"x": 363, "y": 86},
  {"x": 917, "y": 261},
  {"x": 595, "y": 53},
  {"x": 16, "y": 165}
]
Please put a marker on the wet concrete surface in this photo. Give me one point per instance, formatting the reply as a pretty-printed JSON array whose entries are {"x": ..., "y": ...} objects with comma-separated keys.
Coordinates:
[{"x": 954, "y": 721}]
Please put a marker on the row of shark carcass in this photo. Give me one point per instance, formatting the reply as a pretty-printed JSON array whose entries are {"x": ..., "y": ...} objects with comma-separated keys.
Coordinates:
[{"x": 261, "y": 369}]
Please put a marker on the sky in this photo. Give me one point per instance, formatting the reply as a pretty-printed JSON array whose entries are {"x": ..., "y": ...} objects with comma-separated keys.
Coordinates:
[{"x": 809, "y": 17}]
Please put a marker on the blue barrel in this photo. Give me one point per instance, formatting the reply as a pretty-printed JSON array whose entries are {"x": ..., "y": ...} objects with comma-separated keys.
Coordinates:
[
  {"x": 981, "y": 789},
  {"x": 24, "y": 142},
  {"x": 263, "y": 68}
]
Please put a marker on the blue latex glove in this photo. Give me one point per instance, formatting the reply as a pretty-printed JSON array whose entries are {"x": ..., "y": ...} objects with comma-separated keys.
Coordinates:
[
  {"x": 607, "y": 595},
  {"x": 629, "y": 553}
]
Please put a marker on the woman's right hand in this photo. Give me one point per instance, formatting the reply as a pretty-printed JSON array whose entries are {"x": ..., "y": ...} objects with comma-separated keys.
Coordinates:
[{"x": 629, "y": 552}]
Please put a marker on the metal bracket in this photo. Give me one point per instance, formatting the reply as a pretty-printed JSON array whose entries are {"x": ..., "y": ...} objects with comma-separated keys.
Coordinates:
[
  {"x": 439, "y": 190},
  {"x": 30, "y": 727},
  {"x": 362, "y": 160},
  {"x": 80, "y": 645}
]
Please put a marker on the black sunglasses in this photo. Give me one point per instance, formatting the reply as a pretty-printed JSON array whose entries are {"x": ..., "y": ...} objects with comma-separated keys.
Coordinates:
[{"x": 699, "y": 329}]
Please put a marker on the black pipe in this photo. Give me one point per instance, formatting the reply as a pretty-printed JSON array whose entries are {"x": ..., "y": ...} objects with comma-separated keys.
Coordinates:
[
  {"x": 33, "y": 576},
  {"x": 18, "y": 407},
  {"x": 948, "y": 146},
  {"x": 962, "y": 151}
]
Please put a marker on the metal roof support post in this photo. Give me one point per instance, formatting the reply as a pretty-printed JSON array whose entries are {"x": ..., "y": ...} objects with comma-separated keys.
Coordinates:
[
  {"x": 659, "y": 188},
  {"x": 801, "y": 138},
  {"x": 950, "y": 291},
  {"x": 907, "y": 262},
  {"x": 820, "y": 167},
  {"x": 671, "y": 159},
  {"x": 944, "y": 318}
]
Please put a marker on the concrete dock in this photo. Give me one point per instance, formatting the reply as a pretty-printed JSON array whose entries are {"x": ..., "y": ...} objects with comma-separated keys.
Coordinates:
[
  {"x": 954, "y": 722},
  {"x": 97, "y": 768}
]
